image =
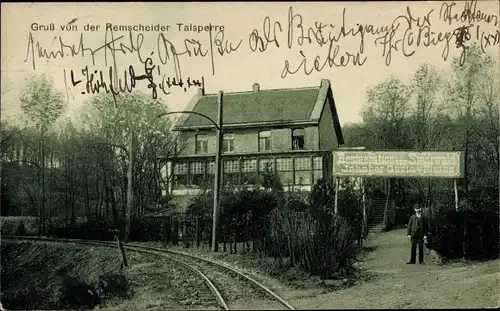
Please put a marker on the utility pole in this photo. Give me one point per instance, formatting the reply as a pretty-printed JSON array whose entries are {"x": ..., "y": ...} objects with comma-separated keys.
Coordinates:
[
  {"x": 130, "y": 195},
  {"x": 218, "y": 172},
  {"x": 1, "y": 158}
]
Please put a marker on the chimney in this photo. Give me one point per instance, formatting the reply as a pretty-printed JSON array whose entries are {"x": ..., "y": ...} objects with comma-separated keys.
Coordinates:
[
  {"x": 256, "y": 87},
  {"x": 201, "y": 91}
]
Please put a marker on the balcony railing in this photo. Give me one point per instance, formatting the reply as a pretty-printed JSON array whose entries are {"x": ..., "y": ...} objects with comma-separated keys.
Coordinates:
[{"x": 297, "y": 169}]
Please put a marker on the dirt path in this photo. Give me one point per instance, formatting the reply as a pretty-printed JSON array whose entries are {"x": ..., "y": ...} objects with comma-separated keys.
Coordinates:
[
  {"x": 398, "y": 285},
  {"x": 394, "y": 285}
]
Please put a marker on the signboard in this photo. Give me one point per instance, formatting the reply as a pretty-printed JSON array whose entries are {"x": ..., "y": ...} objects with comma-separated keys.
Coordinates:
[{"x": 443, "y": 164}]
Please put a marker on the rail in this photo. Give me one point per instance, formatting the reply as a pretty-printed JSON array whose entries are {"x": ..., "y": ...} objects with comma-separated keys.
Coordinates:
[{"x": 163, "y": 252}]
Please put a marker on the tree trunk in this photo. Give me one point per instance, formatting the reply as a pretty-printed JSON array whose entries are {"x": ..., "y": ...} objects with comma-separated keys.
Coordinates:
[
  {"x": 66, "y": 204},
  {"x": 73, "y": 218},
  {"x": 41, "y": 209},
  {"x": 106, "y": 198},
  {"x": 87, "y": 199},
  {"x": 253, "y": 234},
  {"x": 97, "y": 201},
  {"x": 224, "y": 246},
  {"x": 466, "y": 181},
  {"x": 43, "y": 184},
  {"x": 50, "y": 184},
  {"x": 114, "y": 208},
  {"x": 235, "y": 241}
]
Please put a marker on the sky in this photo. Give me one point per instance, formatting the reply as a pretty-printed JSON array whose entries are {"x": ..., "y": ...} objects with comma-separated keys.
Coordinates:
[{"x": 227, "y": 55}]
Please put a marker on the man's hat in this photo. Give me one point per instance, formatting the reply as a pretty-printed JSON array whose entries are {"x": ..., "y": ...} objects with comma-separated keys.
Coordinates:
[{"x": 417, "y": 207}]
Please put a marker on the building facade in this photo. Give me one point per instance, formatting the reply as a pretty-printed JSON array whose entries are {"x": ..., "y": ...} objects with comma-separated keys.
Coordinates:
[{"x": 289, "y": 131}]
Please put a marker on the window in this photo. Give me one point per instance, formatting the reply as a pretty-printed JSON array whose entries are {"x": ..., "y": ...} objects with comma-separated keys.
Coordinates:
[
  {"x": 198, "y": 174},
  {"x": 249, "y": 172},
  {"x": 284, "y": 169},
  {"x": 228, "y": 143},
  {"x": 231, "y": 172},
  {"x": 302, "y": 171},
  {"x": 180, "y": 175},
  {"x": 264, "y": 140},
  {"x": 298, "y": 139},
  {"x": 201, "y": 144},
  {"x": 265, "y": 165},
  {"x": 318, "y": 168},
  {"x": 210, "y": 179}
]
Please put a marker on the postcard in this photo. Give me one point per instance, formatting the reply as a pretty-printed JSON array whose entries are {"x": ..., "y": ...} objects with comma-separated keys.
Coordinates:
[{"x": 266, "y": 155}]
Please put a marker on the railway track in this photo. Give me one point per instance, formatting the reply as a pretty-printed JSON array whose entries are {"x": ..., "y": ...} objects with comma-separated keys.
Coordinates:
[{"x": 231, "y": 288}]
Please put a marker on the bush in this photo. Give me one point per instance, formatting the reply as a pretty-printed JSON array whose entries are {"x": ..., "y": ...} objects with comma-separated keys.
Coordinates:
[
  {"x": 295, "y": 230},
  {"x": 148, "y": 229},
  {"x": 321, "y": 247},
  {"x": 112, "y": 285},
  {"x": 10, "y": 225},
  {"x": 447, "y": 234},
  {"x": 88, "y": 230},
  {"x": 21, "y": 230},
  {"x": 306, "y": 234},
  {"x": 76, "y": 293},
  {"x": 242, "y": 215},
  {"x": 322, "y": 198}
]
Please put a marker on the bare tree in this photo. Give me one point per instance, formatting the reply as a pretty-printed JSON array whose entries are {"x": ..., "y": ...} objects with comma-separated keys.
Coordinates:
[
  {"x": 42, "y": 105},
  {"x": 387, "y": 111},
  {"x": 425, "y": 122},
  {"x": 464, "y": 96},
  {"x": 138, "y": 138}
]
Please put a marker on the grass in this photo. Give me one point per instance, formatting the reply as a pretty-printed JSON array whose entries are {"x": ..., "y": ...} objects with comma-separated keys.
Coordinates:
[
  {"x": 53, "y": 276},
  {"x": 386, "y": 280},
  {"x": 44, "y": 276},
  {"x": 397, "y": 285},
  {"x": 160, "y": 284},
  {"x": 9, "y": 224},
  {"x": 261, "y": 268}
]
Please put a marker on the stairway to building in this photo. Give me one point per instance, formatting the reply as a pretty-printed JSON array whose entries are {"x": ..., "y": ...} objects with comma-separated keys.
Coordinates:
[{"x": 376, "y": 215}]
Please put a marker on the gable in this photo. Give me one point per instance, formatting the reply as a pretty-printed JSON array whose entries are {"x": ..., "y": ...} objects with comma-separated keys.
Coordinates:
[
  {"x": 263, "y": 108},
  {"x": 256, "y": 107}
]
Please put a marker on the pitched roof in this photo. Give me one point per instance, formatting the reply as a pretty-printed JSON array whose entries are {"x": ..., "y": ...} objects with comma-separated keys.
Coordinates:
[{"x": 258, "y": 107}]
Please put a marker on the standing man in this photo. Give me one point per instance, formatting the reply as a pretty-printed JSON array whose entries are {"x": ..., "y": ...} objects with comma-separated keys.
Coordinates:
[{"x": 417, "y": 232}]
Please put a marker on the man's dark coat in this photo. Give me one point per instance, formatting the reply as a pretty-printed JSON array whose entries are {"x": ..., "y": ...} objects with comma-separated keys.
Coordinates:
[{"x": 418, "y": 228}]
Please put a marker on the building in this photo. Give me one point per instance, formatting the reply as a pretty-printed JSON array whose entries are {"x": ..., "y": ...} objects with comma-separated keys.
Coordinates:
[{"x": 291, "y": 131}]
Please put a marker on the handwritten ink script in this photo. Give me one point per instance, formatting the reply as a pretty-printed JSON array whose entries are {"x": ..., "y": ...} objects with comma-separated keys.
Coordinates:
[
  {"x": 97, "y": 81},
  {"x": 404, "y": 35},
  {"x": 165, "y": 53}
]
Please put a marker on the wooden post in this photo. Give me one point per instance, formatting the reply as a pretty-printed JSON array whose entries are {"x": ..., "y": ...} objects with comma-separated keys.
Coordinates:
[
  {"x": 386, "y": 207},
  {"x": 122, "y": 251},
  {"x": 336, "y": 207},
  {"x": 456, "y": 194},
  {"x": 363, "y": 204},
  {"x": 218, "y": 172}
]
